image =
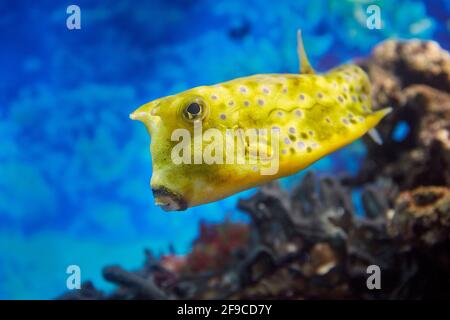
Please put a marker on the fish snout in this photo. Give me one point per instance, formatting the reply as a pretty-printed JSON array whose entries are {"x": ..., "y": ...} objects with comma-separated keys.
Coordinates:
[{"x": 168, "y": 200}]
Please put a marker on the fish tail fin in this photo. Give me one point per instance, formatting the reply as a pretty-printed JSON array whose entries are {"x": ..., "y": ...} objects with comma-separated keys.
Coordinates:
[
  {"x": 375, "y": 118},
  {"x": 380, "y": 114},
  {"x": 305, "y": 66}
]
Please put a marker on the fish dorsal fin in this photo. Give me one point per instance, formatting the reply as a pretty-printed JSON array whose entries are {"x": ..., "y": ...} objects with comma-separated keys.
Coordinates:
[{"x": 305, "y": 66}]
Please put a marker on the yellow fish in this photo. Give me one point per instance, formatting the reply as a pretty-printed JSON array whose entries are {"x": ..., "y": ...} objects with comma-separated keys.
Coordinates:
[{"x": 210, "y": 142}]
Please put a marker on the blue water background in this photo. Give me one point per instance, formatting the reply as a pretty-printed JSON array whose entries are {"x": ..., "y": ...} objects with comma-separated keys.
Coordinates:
[{"x": 75, "y": 171}]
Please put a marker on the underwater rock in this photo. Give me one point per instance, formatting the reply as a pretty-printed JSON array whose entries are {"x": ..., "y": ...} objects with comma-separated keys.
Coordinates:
[
  {"x": 413, "y": 77},
  {"x": 311, "y": 243},
  {"x": 86, "y": 292},
  {"x": 422, "y": 217},
  {"x": 413, "y": 62}
]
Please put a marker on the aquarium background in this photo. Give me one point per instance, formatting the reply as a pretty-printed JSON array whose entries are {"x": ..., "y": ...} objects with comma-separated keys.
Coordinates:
[{"x": 75, "y": 171}]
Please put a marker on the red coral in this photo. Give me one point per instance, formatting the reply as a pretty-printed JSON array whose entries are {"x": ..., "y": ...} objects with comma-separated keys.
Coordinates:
[{"x": 215, "y": 246}]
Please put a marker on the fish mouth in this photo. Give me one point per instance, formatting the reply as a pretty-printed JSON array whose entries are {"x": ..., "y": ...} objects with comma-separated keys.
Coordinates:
[{"x": 169, "y": 200}]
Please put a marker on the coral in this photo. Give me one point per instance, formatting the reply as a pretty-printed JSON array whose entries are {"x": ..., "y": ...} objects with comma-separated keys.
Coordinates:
[
  {"x": 310, "y": 244},
  {"x": 422, "y": 217},
  {"x": 413, "y": 77},
  {"x": 215, "y": 245}
]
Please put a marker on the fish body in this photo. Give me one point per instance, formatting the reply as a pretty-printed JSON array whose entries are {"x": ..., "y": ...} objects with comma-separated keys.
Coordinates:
[{"x": 296, "y": 118}]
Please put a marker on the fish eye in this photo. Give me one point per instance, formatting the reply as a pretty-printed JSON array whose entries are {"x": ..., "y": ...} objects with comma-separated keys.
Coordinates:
[{"x": 193, "y": 110}]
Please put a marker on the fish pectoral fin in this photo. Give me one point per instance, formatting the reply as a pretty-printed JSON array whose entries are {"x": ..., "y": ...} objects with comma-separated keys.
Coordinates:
[
  {"x": 305, "y": 66},
  {"x": 256, "y": 149}
]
